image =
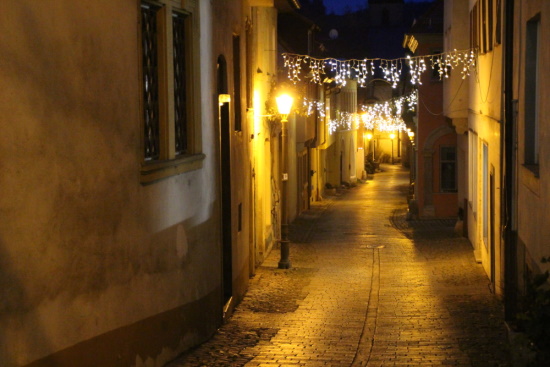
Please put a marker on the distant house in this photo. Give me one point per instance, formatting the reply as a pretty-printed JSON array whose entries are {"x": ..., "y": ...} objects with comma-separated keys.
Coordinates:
[{"x": 435, "y": 171}]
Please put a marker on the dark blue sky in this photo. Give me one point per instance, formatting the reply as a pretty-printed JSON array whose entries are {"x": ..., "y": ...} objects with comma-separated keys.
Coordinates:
[{"x": 340, "y": 6}]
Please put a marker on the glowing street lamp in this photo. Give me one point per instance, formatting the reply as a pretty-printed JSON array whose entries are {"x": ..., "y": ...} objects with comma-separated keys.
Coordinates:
[
  {"x": 284, "y": 105},
  {"x": 411, "y": 136}
]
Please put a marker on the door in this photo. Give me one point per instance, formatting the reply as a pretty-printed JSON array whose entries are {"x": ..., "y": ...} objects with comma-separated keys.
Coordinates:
[{"x": 225, "y": 182}]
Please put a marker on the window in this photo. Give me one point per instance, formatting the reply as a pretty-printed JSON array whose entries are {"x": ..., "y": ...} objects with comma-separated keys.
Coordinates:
[
  {"x": 237, "y": 81},
  {"x": 474, "y": 39},
  {"x": 484, "y": 30},
  {"x": 498, "y": 25},
  {"x": 447, "y": 161},
  {"x": 484, "y": 22},
  {"x": 472, "y": 170},
  {"x": 485, "y": 192},
  {"x": 180, "y": 87},
  {"x": 169, "y": 137},
  {"x": 150, "y": 67},
  {"x": 531, "y": 129}
]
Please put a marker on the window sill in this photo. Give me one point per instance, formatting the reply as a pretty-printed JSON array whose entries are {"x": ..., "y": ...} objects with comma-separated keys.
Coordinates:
[
  {"x": 158, "y": 170},
  {"x": 534, "y": 168}
]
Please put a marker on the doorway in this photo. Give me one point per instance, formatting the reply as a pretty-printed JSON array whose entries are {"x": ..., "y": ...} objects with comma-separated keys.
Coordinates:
[{"x": 224, "y": 117}]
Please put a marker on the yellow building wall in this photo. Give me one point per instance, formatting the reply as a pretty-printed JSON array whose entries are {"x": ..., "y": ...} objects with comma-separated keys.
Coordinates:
[
  {"x": 485, "y": 94},
  {"x": 533, "y": 196}
]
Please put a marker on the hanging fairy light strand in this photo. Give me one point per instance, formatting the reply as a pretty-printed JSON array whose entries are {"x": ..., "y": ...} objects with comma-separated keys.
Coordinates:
[
  {"x": 381, "y": 116},
  {"x": 386, "y": 116},
  {"x": 345, "y": 121},
  {"x": 310, "y": 106},
  {"x": 342, "y": 70}
]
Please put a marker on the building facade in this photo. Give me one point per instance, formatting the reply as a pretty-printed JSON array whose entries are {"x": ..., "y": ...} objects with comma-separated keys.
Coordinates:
[
  {"x": 137, "y": 187},
  {"x": 530, "y": 189},
  {"x": 436, "y": 181},
  {"x": 502, "y": 188}
]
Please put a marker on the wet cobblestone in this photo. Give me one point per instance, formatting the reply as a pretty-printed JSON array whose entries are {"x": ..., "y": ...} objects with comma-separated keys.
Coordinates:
[{"x": 367, "y": 288}]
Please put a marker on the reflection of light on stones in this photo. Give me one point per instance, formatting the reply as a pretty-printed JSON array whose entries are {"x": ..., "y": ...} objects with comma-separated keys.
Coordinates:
[{"x": 375, "y": 246}]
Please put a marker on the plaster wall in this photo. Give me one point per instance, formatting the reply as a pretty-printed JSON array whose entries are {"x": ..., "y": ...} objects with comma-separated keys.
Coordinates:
[
  {"x": 456, "y": 37},
  {"x": 224, "y": 29},
  {"x": 485, "y": 90},
  {"x": 87, "y": 252},
  {"x": 333, "y": 173},
  {"x": 533, "y": 193},
  {"x": 264, "y": 142}
]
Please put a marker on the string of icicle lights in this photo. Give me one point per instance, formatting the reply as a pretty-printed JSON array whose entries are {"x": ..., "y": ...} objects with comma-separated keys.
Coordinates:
[
  {"x": 318, "y": 70},
  {"x": 383, "y": 123},
  {"x": 310, "y": 106},
  {"x": 382, "y": 116},
  {"x": 386, "y": 116}
]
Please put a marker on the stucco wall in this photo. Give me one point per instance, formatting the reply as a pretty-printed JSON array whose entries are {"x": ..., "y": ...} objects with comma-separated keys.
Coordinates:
[
  {"x": 456, "y": 37},
  {"x": 485, "y": 96},
  {"x": 533, "y": 192},
  {"x": 86, "y": 250},
  {"x": 264, "y": 145}
]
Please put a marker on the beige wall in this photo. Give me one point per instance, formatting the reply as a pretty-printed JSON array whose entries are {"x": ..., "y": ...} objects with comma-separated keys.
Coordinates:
[
  {"x": 533, "y": 192},
  {"x": 484, "y": 122},
  {"x": 93, "y": 262},
  {"x": 456, "y": 37},
  {"x": 264, "y": 145}
]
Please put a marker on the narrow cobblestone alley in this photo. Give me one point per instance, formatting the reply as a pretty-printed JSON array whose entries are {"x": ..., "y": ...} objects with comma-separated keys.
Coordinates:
[{"x": 366, "y": 288}]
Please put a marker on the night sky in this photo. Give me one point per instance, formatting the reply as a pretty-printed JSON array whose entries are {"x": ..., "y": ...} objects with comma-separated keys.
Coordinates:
[{"x": 340, "y": 6}]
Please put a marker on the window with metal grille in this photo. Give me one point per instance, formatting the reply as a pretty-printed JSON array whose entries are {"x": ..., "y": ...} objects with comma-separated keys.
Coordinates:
[
  {"x": 151, "y": 120},
  {"x": 532, "y": 98},
  {"x": 237, "y": 81},
  {"x": 171, "y": 142},
  {"x": 447, "y": 161},
  {"x": 180, "y": 87}
]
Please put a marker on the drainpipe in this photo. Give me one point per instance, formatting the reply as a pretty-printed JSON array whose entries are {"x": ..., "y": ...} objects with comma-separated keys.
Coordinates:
[{"x": 508, "y": 171}]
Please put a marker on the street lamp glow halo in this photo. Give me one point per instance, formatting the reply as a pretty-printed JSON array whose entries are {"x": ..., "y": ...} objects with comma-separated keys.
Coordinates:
[{"x": 284, "y": 104}]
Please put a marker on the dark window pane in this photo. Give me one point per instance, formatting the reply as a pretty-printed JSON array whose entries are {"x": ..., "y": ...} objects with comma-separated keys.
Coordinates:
[
  {"x": 180, "y": 92},
  {"x": 448, "y": 154},
  {"x": 237, "y": 81},
  {"x": 150, "y": 82},
  {"x": 448, "y": 169}
]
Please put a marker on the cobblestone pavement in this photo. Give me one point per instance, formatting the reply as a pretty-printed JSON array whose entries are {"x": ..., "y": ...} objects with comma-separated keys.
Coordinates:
[{"x": 366, "y": 288}]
